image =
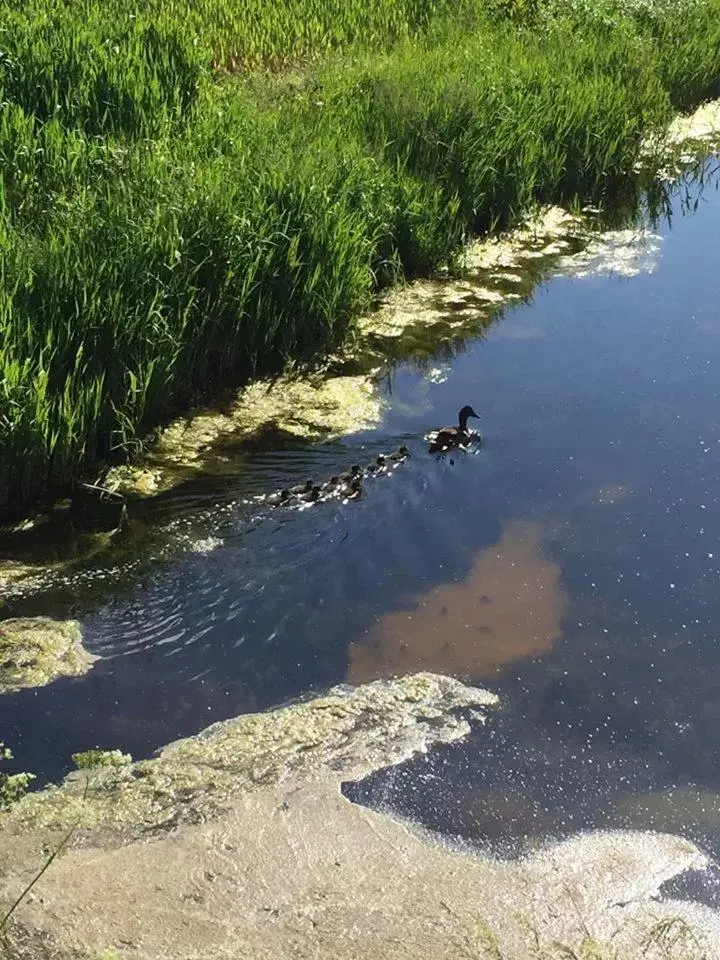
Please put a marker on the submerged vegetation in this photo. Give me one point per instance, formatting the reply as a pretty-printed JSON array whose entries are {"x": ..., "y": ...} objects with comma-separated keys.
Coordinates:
[{"x": 195, "y": 191}]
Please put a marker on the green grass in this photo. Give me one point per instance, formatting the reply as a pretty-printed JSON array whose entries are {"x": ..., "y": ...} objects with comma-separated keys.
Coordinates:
[{"x": 195, "y": 192}]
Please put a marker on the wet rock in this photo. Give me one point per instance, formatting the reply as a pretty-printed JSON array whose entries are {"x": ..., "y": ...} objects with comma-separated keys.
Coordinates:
[{"x": 36, "y": 651}]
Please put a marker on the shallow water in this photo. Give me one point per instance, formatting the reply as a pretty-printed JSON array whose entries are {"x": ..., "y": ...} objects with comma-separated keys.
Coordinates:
[{"x": 570, "y": 563}]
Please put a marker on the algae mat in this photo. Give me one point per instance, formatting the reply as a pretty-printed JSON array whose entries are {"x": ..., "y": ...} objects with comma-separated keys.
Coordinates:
[
  {"x": 238, "y": 843},
  {"x": 35, "y": 651}
]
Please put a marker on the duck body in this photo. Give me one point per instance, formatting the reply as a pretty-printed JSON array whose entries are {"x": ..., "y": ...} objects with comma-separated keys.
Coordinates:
[
  {"x": 378, "y": 465},
  {"x": 354, "y": 473},
  {"x": 332, "y": 484},
  {"x": 302, "y": 487},
  {"x": 399, "y": 455},
  {"x": 282, "y": 496},
  {"x": 311, "y": 495},
  {"x": 354, "y": 491},
  {"x": 448, "y": 437}
]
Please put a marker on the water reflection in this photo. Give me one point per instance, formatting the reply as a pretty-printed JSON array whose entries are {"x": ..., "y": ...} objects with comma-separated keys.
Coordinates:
[{"x": 508, "y": 607}]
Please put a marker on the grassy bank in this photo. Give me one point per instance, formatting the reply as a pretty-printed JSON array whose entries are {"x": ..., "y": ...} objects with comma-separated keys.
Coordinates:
[{"x": 195, "y": 191}]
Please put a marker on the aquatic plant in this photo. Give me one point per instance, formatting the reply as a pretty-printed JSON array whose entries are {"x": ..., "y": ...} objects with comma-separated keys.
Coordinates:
[
  {"x": 12, "y": 786},
  {"x": 194, "y": 192}
]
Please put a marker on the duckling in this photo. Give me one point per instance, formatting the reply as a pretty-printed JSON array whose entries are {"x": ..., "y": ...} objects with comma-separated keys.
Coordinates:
[
  {"x": 354, "y": 492},
  {"x": 447, "y": 437},
  {"x": 379, "y": 464},
  {"x": 311, "y": 495},
  {"x": 282, "y": 496},
  {"x": 302, "y": 487},
  {"x": 402, "y": 454},
  {"x": 352, "y": 474},
  {"x": 331, "y": 484}
]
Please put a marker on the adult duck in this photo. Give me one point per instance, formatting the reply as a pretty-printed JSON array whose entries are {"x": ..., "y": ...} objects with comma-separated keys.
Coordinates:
[{"x": 447, "y": 437}]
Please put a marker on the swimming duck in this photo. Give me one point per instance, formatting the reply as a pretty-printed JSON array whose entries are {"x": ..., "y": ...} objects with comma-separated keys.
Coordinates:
[
  {"x": 378, "y": 465},
  {"x": 282, "y": 496},
  {"x": 458, "y": 436},
  {"x": 402, "y": 454},
  {"x": 352, "y": 474},
  {"x": 302, "y": 487},
  {"x": 309, "y": 496},
  {"x": 354, "y": 491}
]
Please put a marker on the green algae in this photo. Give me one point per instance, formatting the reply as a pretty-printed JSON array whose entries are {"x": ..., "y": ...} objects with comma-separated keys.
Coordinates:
[
  {"x": 342, "y": 735},
  {"x": 13, "y": 785},
  {"x": 688, "y": 137},
  {"x": 287, "y": 409},
  {"x": 33, "y": 652},
  {"x": 88, "y": 759}
]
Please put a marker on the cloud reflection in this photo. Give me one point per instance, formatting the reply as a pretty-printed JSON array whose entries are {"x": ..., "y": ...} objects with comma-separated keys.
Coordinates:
[{"x": 509, "y": 607}]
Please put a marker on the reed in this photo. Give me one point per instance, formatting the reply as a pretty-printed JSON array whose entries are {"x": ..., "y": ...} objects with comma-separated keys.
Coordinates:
[{"x": 168, "y": 226}]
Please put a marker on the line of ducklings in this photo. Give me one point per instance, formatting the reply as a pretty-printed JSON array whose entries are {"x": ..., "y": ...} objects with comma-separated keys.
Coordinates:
[{"x": 342, "y": 486}]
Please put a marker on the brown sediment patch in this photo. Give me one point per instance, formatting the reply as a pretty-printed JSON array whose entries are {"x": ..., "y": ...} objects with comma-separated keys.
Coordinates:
[
  {"x": 510, "y": 606},
  {"x": 677, "y": 810}
]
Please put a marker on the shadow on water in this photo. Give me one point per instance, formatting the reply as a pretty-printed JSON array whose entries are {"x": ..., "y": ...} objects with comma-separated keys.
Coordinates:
[{"x": 570, "y": 563}]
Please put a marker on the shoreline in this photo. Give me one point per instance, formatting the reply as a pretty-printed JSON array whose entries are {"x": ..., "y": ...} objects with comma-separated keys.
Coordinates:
[
  {"x": 222, "y": 815},
  {"x": 281, "y": 204}
]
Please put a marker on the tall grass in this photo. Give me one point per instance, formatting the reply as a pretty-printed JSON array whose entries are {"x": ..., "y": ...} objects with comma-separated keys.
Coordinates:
[{"x": 167, "y": 227}]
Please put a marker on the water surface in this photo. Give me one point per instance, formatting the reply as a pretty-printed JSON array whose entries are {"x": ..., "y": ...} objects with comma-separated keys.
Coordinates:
[{"x": 571, "y": 563}]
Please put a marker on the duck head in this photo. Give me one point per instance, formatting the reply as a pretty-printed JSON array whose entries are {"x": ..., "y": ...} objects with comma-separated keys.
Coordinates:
[{"x": 467, "y": 411}]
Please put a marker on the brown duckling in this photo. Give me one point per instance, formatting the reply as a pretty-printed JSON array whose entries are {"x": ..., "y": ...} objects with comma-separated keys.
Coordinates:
[
  {"x": 447, "y": 437},
  {"x": 332, "y": 484},
  {"x": 302, "y": 487},
  {"x": 402, "y": 454},
  {"x": 281, "y": 496},
  {"x": 311, "y": 495},
  {"x": 353, "y": 473},
  {"x": 378, "y": 465},
  {"x": 354, "y": 491}
]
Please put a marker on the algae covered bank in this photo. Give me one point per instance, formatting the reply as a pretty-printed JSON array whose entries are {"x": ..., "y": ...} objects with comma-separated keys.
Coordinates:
[
  {"x": 251, "y": 810},
  {"x": 194, "y": 195}
]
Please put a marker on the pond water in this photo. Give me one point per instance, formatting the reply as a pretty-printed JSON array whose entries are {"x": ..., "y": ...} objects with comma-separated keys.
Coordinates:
[{"x": 571, "y": 563}]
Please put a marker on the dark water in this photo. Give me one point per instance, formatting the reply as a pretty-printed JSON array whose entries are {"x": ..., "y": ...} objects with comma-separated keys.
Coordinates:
[{"x": 572, "y": 564}]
